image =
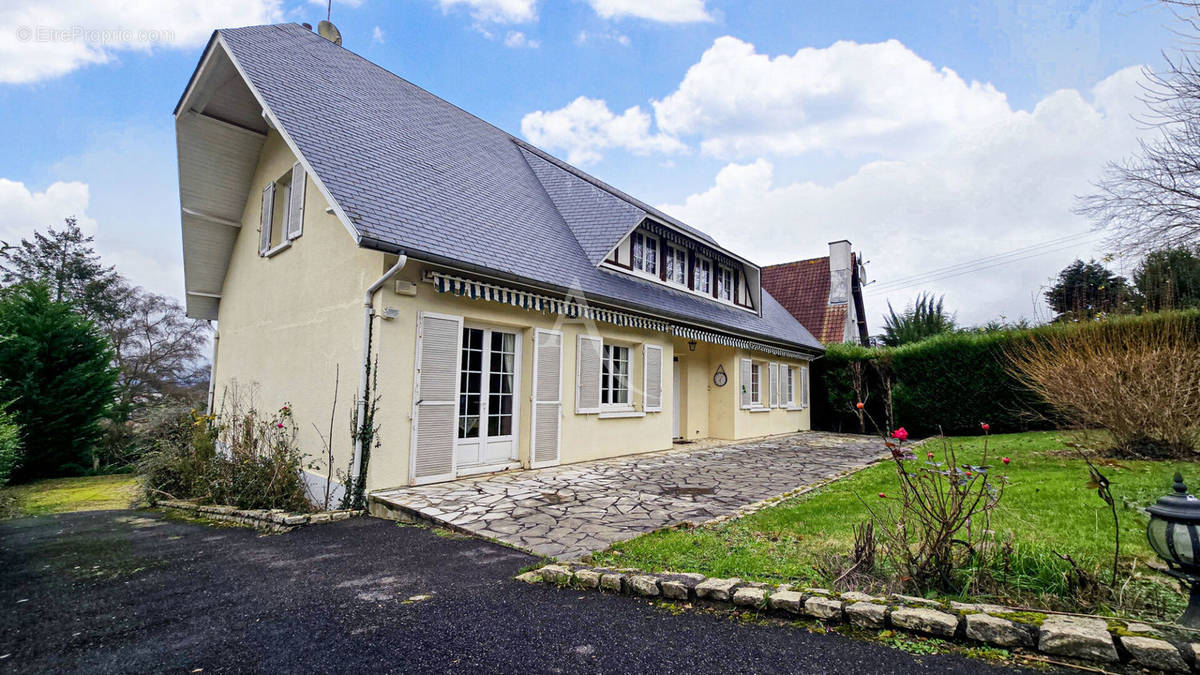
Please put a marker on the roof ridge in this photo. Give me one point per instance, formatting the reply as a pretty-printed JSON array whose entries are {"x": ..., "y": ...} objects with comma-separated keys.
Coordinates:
[{"x": 796, "y": 262}]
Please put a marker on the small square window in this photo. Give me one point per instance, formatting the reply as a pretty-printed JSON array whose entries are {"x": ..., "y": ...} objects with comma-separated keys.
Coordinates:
[{"x": 614, "y": 376}]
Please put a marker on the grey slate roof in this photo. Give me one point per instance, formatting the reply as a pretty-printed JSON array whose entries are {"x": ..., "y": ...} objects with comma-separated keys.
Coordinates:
[{"x": 418, "y": 174}]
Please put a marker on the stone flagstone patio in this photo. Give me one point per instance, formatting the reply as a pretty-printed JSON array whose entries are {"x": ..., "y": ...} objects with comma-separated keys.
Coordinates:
[{"x": 569, "y": 511}]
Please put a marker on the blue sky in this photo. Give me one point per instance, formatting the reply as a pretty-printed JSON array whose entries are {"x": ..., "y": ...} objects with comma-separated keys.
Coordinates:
[{"x": 777, "y": 126}]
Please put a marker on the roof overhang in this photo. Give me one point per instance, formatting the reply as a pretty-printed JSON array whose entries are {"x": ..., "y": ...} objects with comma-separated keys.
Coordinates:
[{"x": 221, "y": 124}]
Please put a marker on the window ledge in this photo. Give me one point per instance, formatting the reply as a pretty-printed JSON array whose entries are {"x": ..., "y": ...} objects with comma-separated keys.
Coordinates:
[
  {"x": 619, "y": 413},
  {"x": 283, "y": 246},
  {"x": 759, "y": 409}
]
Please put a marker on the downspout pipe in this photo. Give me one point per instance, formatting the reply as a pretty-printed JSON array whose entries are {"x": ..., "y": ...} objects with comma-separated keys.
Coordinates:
[
  {"x": 368, "y": 314},
  {"x": 212, "y": 372}
]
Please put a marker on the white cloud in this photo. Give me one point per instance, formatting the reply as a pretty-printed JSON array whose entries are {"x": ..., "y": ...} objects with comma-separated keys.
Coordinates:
[
  {"x": 849, "y": 97},
  {"x": 42, "y": 39},
  {"x": 586, "y": 126},
  {"x": 26, "y": 211},
  {"x": 1013, "y": 184},
  {"x": 665, "y": 11},
  {"x": 516, "y": 39},
  {"x": 584, "y": 37},
  {"x": 496, "y": 11},
  {"x": 377, "y": 35}
]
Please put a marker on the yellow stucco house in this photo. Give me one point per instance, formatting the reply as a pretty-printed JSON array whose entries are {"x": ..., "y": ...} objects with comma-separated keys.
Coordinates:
[{"x": 519, "y": 312}]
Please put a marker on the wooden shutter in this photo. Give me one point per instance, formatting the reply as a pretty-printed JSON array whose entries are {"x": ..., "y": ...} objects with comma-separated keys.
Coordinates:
[
  {"x": 264, "y": 232},
  {"x": 435, "y": 397},
  {"x": 546, "y": 437},
  {"x": 774, "y": 384},
  {"x": 803, "y": 386},
  {"x": 746, "y": 383},
  {"x": 588, "y": 352},
  {"x": 295, "y": 225},
  {"x": 652, "y": 376}
]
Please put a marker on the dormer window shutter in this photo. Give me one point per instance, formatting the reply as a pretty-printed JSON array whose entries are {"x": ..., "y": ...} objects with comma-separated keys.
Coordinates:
[
  {"x": 588, "y": 352},
  {"x": 652, "y": 373},
  {"x": 295, "y": 225},
  {"x": 268, "y": 205},
  {"x": 746, "y": 382}
]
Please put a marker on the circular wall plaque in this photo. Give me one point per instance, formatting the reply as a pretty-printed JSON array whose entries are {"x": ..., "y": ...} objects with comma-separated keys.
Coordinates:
[{"x": 720, "y": 378}]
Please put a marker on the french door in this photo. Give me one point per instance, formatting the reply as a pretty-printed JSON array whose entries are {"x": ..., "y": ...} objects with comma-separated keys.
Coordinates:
[{"x": 486, "y": 433}]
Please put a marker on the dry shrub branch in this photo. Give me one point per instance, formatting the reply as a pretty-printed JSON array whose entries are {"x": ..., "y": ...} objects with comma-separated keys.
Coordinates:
[{"x": 1138, "y": 380}]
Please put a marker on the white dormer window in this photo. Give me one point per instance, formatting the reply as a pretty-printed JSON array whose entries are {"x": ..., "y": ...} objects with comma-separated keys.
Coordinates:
[
  {"x": 724, "y": 283},
  {"x": 645, "y": 253},
  {"x": 676, "y": 262},
  {"x": 702, "y": 276}
]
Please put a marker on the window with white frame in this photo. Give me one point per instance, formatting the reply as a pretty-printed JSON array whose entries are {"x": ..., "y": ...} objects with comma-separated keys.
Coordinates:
[
  {"x": 676, "y": 262},
  {"x": 756, "y": 384},
  {"x": 645, "y": 253},
  {"x": 702, "y": 277},
  {"x": 724, "y": 283},
  {"x": 614, "y": 376}
]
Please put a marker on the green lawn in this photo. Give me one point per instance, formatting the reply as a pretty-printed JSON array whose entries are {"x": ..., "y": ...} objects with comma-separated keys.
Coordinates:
[
  {"x": 60, "y": 495},
  {"x": 1047, "y": 507}
]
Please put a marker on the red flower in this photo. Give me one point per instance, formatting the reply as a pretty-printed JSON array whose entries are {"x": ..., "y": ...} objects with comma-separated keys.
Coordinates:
[
  {"x": 859, "y": 405},
  {"x": 985, "y": 426},
  {"x": 968, "y": 474},
  {"x": 280, "y": 425},
  {"x": 882, "y": 496},
  {"x": 1006, "y": 460},
  {"x": 900, "y": 434},
  {"x": 931, "y": 455}
]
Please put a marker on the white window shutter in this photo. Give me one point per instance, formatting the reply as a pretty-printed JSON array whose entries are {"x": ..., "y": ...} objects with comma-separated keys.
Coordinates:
[
  {"x": 547, "y": 398},
  {"x": 652, "y": 376},
  {"x": 264, "y": 233},
  {"x": 435, "y": 397},
  {"x": 803, "y": 386},
  {"x": 295, "y": 225},
  {"x": 588, "y": 352},
  {"x": 774, "y": 384},
  {"x": 746, "y": 383}
]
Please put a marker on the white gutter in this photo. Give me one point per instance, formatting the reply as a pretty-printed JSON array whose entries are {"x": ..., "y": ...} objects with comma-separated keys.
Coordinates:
[
  {"x": 212, "y": 373},
  {"x": 368, "y": 314}
]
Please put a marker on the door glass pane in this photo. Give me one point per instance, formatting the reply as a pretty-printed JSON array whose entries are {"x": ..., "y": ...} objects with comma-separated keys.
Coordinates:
[{"x": 470, "y": 382}]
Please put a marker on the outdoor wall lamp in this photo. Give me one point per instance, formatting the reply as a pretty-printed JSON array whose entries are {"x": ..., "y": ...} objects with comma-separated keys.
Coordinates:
[
  {"x": 691, "y": 345},
  {"x": 1174, "y": 534}
]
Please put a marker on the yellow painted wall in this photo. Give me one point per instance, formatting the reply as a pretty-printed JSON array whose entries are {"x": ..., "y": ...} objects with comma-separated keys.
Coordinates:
[{"x": 287, "y": 322}]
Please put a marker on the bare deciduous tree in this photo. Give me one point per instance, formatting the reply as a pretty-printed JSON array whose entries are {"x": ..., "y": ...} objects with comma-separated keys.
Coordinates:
[{"x": 1152, "y": 200}]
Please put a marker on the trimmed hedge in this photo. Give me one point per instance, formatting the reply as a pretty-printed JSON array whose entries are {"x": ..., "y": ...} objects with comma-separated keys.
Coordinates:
[{"x": 956, "y": 380}]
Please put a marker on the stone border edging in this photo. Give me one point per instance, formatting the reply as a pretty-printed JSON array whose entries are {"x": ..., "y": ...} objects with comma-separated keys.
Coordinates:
[
  {"x": 1095, "y": 639},
  {"x": 270, "y": 520}
]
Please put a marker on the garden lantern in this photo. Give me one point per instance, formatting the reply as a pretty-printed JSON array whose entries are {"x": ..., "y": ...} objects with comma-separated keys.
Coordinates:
[{"x": 1174, "y": 534}]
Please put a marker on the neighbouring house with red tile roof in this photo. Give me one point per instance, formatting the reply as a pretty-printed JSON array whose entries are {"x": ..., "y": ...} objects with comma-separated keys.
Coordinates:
[{"x": 824, "y": 294}]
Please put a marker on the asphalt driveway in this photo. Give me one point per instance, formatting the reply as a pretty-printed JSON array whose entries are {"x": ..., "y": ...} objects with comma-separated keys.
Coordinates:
[{"x": 127, "y": 591}]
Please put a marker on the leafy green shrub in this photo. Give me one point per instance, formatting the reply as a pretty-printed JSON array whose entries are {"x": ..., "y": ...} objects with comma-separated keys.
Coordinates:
[
  {"x": 10, "y": 445},
  {"x": 238, "y": 457},
  {"x": 958, "y": 379},
  {"x": 57, "y": 370}
]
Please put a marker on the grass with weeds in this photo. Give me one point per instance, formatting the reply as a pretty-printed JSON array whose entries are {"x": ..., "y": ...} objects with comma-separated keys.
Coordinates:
[
  {"x": 1047, "y": 508},
  {"x": 63, "y": 495}
]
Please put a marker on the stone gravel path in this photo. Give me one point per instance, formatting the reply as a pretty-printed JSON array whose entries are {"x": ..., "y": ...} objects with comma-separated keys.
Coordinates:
[{"x": 569, "y": 511}]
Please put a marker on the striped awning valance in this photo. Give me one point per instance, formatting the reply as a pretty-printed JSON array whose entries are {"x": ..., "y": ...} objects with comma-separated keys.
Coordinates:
[
  {"x": 576, "y": 309},
  {"x": 568, "y": 307},
  {"x": 730, "y": 341}
]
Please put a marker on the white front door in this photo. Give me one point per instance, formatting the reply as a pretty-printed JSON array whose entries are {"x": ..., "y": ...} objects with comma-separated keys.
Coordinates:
[
  {"x": 487, "y": 416},
  {"x": 675, "y": 399}
]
